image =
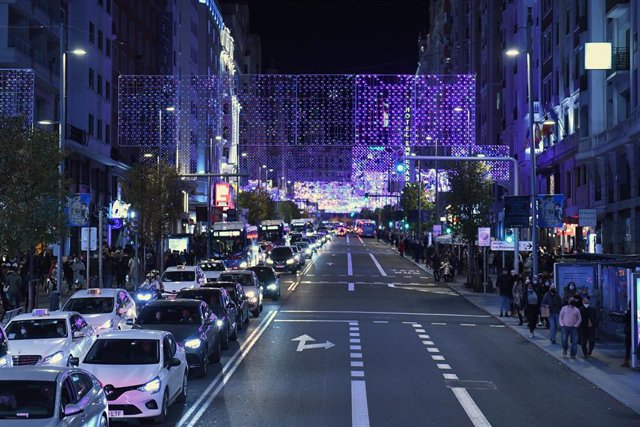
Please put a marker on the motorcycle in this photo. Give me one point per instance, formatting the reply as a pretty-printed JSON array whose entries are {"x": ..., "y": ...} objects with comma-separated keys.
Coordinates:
[
  {"x": 143, "y": 295},
  {"x": 446, "y": 271}
]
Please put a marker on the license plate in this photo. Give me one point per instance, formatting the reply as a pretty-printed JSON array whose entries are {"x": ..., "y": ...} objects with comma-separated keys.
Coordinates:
[
  {"x": 171, "y": 297},
  {"x": 116, "y": 414}
]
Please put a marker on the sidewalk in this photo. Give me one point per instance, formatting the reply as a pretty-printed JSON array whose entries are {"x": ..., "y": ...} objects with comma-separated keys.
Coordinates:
[{"x": 603, "y": 370}]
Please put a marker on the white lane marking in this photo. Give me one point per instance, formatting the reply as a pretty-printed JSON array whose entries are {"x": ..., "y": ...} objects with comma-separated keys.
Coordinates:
[
  {"x": 396, "y": 313},
  {"x": 227, "y": 371},
  {"x": 473, "y": 412},
  {"x": 357, "y": 364},
  {"x": 380, "y": 321},
  {"x": 497, "y": 326},
  {"x": 353, "y": 323},
  {"x": 409, "y": 323},
  {"x": 355, "y": 347},
  {"x": 349, "y": 266},
  {"x": 450, "y": 376},
  {"x": 359, "y": 374},
  {"x": 347, "y": 239},
  {"x": 433, "y": 350},
  {"x": 354, "y": 341},
  {"x": 427, "y": 342},
  {"x": 355, "y": 355},
  {"x": 436, "y": 323},
  {"x": 467, "y": 324},
  {"x": 359, "y": 238},
  {"x": 311, "y": 320},
  {"x": 354, "y": 334},
  {"x": 416, "y": 325},
  {"x": 426, "y": 337},
  {"x": 350, "y": 287},
  {"x": 443, "y": 366},
  {"x": 375, "y": 261},
  {"x": 420, "y": 331},
  {"x": 437, "y": 357},
  {"x": 354, "y": 328},
  {"x": 359, "y": 406},
  {"x": 391, "y": 285}
]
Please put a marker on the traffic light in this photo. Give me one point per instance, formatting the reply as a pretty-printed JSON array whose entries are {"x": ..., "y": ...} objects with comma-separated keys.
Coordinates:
[
  {"x": 400, "y": 166},
  {"x": 390, "y": 224},
  {"x": 366, "y": 197},
  {"x": 406, "y": 226},
  {"x": 448, "y": 229},
  {"x": 508, "y": 235}
]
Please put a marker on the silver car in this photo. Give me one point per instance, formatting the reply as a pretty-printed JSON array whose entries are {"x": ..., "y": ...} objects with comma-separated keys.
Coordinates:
[{"x": 51, "y": 396}]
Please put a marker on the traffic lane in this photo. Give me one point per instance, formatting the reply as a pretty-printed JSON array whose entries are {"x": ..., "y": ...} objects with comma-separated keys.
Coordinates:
[
  {"x": 520, "y": 369},
  {"x": 278, "y": 386},
  {"x": 404, "y": 385}
]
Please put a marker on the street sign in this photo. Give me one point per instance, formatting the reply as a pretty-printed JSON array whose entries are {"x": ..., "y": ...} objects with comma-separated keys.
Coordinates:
[
  {"x": 302, "y": 343},
  {"x": 437, "y": 230},
  {"x": 484, "y": 236},
  {"x": 587, "y": 218},
  {"x": 89, "y": 237},
  {"x": 516, "y": 211},
  {"x": 500, "y": 245},
  {"x": 77, "y": 209},
  {"x": 525, "y": 245},
  {"x": 550, "y": 210}
]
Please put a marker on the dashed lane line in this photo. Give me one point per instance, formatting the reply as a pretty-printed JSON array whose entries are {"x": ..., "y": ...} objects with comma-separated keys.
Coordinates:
[
  {"x": 351, "y": 287},
  {"x": 349, "y": 265},
  {"x": 359, "y": 404},
  {"x": 394, "y": 313},
  {"x": 375, "y": 261}
]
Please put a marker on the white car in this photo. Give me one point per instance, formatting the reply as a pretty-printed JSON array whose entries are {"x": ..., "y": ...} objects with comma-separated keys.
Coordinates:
[
  {"x": 175, "y": 279},
  {"x": 251, "y": 285},
  {"x": 106, "y": 309},
  {"x": 43, "y": 338},
  {"x": 212, "y": 269},
  {"x": 51, "y": 396},
  {"x": 143, "y": 372}
]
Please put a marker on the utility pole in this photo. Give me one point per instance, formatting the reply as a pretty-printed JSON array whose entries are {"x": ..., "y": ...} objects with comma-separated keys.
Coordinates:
[{"x": 100, "y": 283}]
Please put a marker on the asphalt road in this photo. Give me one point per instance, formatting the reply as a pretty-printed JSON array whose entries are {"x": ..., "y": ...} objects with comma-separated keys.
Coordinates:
[{"x": 391, "y": 348}]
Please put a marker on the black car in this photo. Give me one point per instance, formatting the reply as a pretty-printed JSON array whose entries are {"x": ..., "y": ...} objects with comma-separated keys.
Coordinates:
[
  {"x": 282, "y": 258},
  {"x": 192, "y": 323},
  {"x": 222, "y": 306},
  {"x": 236, "y": 292},
  {"x": 269, "y": 281}
]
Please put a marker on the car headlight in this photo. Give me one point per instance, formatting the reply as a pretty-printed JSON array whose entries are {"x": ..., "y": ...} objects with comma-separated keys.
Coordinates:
[
  {"x": 308, "y": 250},
  {"x": 219, "y": 323},
  {"x": 4, "y": 360},
  {"x": 272, "y": 287},
  {"x": 152, "y": 386},
  {"x": 143, "y": 297},
  {"x": 291, "y": 261},
  {"x": 251, "y": 294},
  {"x": 53, "y": 359},
  {"x": 244, "y": 264},
  {"x": 193, "y": 344},
  {"x": 269, "y": 261}
]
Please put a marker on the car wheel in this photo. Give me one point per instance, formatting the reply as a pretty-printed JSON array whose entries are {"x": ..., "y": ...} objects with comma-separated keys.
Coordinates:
[
  {"x": 246, "y": 317},
  {"x": 261, "y": 308},
  {"x": 239, "y": 322},
  {"x": 104, "y": 421},
  {"x": 224, "y": 337},
  {"x": 164, "y": 410},
  {"x": 185, "y": 388},
  {"x": 217, "y": 353},
  {"x": 202, "y": 371},
  {"x": 234, "y": 335},
  {"x": 256, "y": 312}
]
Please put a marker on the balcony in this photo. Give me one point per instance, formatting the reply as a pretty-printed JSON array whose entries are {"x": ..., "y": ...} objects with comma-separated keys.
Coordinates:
[
  {"x": 616, "y": 8},
  {"x": 620, "y": 60}
]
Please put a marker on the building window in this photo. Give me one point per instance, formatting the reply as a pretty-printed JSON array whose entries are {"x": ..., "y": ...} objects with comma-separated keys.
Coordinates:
[
  {"x": 568, "y": 186},
  {"x": 92, "y": 32},
  {"x": 100, "y": 40},
  {"x": 99, "y": 129},
  {"x": 99, "y": 84},
  {"x": 91, "y": 84},
  {"x": 109, "y": 7},
  {"x": 107, "y": 134},
  {"x": 107, "y": 90},
  {"x": 101, "y": 2},
  {"x": 107, "y": 47},
  {"x": 90, "y": 128}
]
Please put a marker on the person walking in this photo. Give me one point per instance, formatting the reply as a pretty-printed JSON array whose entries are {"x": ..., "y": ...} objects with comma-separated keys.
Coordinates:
[
  {"x": 587, "y": 327},
  {"x": 78, "y": 268},
  {"x": 517, "y": 291},
  {"x": 505, "y": 285},
  {"x": 570, "y": 320},
  {"x": 532, "y": 307},
  {"x": 553, "y": 304},
  {"x": 435, "y": 265},
  {"x": 13, "y": 283}
]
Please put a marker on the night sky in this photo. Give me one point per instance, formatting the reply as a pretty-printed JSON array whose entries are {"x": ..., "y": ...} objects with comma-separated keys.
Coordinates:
[{"x": 339, "y": 36}]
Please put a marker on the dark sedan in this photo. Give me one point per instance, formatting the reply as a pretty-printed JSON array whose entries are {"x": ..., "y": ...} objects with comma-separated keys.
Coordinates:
[
  {"x": 236, "y": 292},
  {"x": 282, "y": 258},
  {"x": 269, "y": 281},
  {"x": 222, "y": 306},
  {"x": 192, "y": 323}
]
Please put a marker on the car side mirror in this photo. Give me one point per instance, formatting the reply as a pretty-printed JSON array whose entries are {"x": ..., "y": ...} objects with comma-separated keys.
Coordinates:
[
  {"x": 173, "y": 362},
  {"x": 74, "y": 361},
  {"x": 78, "y": 335},
  {"x": 129, "y": 322},
  {"x": 72, "y": 409}
]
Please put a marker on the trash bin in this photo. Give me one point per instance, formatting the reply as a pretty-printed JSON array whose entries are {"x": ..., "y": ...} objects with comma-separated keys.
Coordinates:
[{"x": 54, "y": 301}]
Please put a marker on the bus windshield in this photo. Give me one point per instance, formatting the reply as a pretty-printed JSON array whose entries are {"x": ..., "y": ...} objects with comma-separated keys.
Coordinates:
[{"x": 228, "y": 245}]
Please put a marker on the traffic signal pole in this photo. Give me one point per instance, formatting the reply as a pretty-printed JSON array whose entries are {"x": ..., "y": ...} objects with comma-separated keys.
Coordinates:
[{"x": 515, "y": 179}]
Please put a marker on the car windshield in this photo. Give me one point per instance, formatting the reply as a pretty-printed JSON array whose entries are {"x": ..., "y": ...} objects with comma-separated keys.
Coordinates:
[
  {"x": 302, "y": 244},
  {"x": 179, "y": 276},
  {"x": 281, "y": 252},
  {"x": 90, "y": 305},
  {"x": 23, "y": 399},
  {"x": 243, "y": 279},
  {"x": 170, "y": 315},
  {"x": 37, "y": 329},
  {"x": 265, "y": 274},
  {"x": 124, "y": 352},
  {"x": 210, "y": 296},
  {"x": 214, "y": 266}
]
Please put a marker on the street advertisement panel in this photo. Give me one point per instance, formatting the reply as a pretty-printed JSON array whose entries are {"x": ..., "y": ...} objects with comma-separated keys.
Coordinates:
[
  {"x": 583, "y": 275},
  {"x": 77, "y": 209},
  {"x": 550, "y": 210},
  {"x": 635, "y": 320},
  {"x": 222, "y": 195},
  {"x": 484, "y": 236},
  {"x": 517, "y": 210},
  {"x": 179, "y": 244},
  {"x": 587, "y": 218}
]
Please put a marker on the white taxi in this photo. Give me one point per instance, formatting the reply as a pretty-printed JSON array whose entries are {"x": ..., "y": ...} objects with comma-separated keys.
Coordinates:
[
  {"x": 143, "y": 372},
  {"x": 105, "y": 309},
  {"x": 43, "y": 338},
  {"x": 5, "y": 354},
  {"x": 175, "y": 279}
]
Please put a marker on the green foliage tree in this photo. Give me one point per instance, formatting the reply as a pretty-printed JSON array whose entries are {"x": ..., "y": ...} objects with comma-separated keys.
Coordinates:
[
  {"x": 260, "y": 206},
  {"x": 32, "y": 193},
  {"x": 288, "y": 210},
  {"x": 155, "y": 193},
  {"x": 470, "y": 201},
  {"x": 409, "y": 200}
]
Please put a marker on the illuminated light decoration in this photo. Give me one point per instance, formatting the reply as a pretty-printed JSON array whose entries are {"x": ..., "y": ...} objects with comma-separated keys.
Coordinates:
[
  {"x": 17, "y": 93},
  {"x": 498, "y": 171}
]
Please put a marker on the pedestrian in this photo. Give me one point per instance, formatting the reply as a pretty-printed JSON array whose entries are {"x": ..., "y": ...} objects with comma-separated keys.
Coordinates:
[
  {"x": 435, "y": 265},
  {"x": 532, "y": 307},
  {"x": 401, "y": 247},
  {"x": 13, "y": 283},
  {"x": 517, "y": 291},
  {"x": 570, "y": 320},
  {"x": 553, "y": 304},
  {"x": 79, "y": 269},
  {"x": 505, "y": 286},
  {"x": 67, "y": 270},
  {"x": 587, "y": 327},
  {"x": 569, "y": 292},
  {"x": 627, "y": 336}
]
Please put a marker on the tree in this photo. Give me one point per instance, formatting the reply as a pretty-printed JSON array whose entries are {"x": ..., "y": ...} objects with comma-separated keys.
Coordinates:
[
  {"x": 288, "y": 210},
  {"x": 32, "y": 193},
  {"x": 470, "y": 202},
  {"x": 260, "y": 205},
  {"x": 409, "y": 199},
  {"x": 155, "y": 194}
]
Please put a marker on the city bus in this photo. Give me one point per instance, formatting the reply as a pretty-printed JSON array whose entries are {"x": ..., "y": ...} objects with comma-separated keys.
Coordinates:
[
  {"x": 366, "y": 228},
  {"x": 305, "y": 226},
  {"x": 275, "y": 231},
  {"x": 235, "y": 243}
]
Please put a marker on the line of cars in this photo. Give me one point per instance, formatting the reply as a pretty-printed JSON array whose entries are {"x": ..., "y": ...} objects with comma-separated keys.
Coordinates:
[{"x": 104, "y": 357}]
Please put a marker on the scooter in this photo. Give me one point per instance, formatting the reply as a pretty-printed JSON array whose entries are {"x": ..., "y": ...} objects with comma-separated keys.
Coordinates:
[{"x": 144, "y": 295}]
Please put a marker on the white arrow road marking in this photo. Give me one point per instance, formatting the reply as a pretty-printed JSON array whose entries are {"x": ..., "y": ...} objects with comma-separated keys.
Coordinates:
[{"x": 302, "y": 343}]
